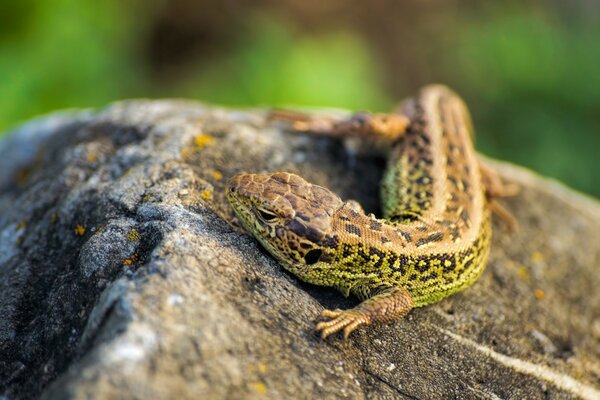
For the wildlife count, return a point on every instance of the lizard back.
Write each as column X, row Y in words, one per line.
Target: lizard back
column 435, row 236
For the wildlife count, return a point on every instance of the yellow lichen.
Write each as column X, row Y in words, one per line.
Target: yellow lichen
column 203, row 140
column 537, row 257
column 134, row 235
column 262, row 368
column 53, row 218
column 147, row 197
column 22, row 224
column 79, row 230
column 259, row 388
column 206, row 194
column 185, row 153
column 523, row 272
column 217, row 175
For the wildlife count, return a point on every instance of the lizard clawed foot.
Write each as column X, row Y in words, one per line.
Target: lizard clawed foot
column 387, row 304
column 346, row 320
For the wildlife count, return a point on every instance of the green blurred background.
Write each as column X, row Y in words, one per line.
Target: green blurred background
column 529, row 70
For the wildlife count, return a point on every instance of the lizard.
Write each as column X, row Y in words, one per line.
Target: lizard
column 437, row 198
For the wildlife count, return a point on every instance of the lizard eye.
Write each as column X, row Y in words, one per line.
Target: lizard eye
column 312, row 256
column 267, row 216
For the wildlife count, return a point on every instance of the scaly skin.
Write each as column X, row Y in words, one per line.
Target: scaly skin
column 434, row 239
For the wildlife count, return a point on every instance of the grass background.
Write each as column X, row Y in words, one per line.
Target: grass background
column 529, row 70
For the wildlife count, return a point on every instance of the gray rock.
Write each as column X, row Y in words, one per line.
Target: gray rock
column 123, row 274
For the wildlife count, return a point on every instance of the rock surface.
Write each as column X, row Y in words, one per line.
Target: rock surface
column 123, row 274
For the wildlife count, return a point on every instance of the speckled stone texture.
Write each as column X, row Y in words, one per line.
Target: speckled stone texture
column 123, row 274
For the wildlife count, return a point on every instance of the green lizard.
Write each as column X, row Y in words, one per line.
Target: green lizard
column 434, row 239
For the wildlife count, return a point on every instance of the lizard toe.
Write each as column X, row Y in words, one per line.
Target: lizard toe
column 330, row 313
column 347, row 321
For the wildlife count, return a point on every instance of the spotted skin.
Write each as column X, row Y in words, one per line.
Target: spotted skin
column 433, row 241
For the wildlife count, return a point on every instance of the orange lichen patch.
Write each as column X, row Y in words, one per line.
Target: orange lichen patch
column 203, row 140
column 22, row 224
column 200, row 142
column 206, row 194
column 92, row 156
column 134, row 235
column 537, row 257
column 539, row 294
column 259, row 388
column 217, row 175
column 131, row 260
column 79, row 230
column 53, row 218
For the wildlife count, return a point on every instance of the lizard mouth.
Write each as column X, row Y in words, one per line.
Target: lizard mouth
column 241, row 210
column 237, row 200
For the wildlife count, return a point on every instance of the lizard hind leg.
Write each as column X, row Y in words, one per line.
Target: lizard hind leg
column 494, row 189
column 390, row 304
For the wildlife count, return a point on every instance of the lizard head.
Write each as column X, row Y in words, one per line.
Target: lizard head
column 289, row 216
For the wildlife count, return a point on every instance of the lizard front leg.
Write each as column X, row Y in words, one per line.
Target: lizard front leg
column 380, row 128
column 388, row 305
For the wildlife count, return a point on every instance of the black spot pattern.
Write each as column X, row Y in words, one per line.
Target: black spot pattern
column 434, row 237
column 429, row 277
column 423, row 265
column 331, row 241
column 347, row 251
column 353, row 229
